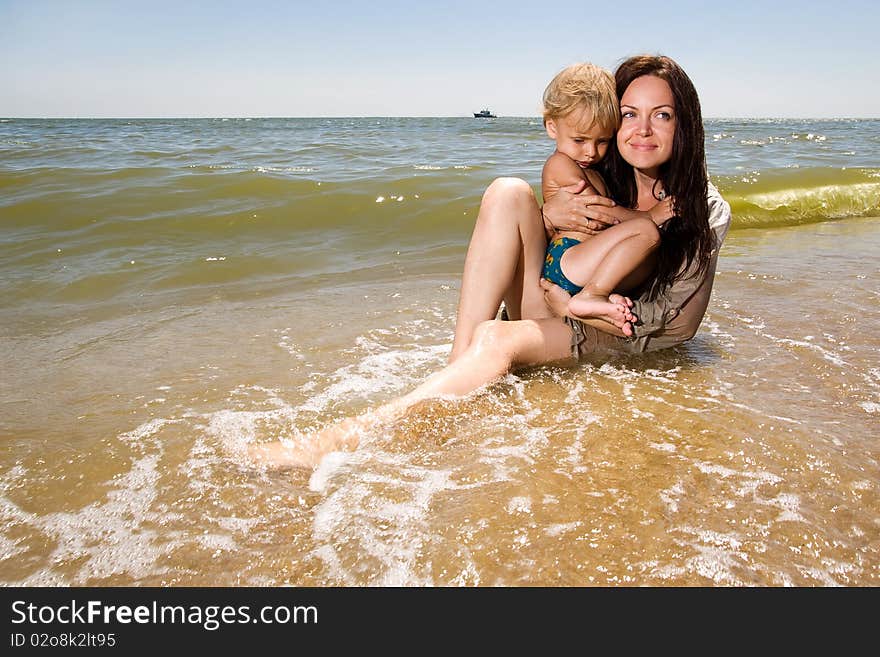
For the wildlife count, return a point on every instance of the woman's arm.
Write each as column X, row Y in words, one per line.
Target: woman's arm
column 676, row 315
column 570, row 209
column 567, row 210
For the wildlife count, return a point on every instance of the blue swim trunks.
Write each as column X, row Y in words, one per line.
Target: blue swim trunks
column 552, row 271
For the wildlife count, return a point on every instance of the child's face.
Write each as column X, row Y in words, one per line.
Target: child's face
column 586, row 146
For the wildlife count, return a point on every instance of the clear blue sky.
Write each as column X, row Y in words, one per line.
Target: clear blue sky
column 410, row 58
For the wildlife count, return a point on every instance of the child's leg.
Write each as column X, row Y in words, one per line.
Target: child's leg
column 604, row 262
column 617, row 258
column 620, row 257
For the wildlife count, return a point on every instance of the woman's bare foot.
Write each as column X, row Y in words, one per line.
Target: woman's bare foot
column 616, row 313
column 308, row 451
column 280, row 454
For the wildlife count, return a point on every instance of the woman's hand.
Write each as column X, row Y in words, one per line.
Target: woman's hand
column 568, row 210
column 555, row 297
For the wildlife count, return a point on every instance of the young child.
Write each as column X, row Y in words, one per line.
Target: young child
column 581, row 113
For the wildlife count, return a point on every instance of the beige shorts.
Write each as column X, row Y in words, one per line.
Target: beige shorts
column 588, row 342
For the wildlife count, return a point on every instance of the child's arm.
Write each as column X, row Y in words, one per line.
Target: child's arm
column 561, row 171
column 594, row 179
column 609, row 215
column 659, row 214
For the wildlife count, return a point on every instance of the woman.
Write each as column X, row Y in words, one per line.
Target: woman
column 659, row 153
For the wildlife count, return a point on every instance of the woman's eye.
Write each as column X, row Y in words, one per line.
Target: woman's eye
column 664, row 115
column 627, row 115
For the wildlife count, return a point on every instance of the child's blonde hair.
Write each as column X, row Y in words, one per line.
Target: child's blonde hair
column 583, row 86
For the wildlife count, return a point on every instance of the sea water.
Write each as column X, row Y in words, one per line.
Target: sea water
column 173, row 291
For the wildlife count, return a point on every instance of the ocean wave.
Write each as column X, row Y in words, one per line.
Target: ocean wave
column 788, row 197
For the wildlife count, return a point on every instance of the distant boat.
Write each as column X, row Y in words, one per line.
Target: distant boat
column 484, row 114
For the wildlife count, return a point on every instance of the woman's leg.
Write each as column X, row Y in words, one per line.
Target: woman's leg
column 504, row 261
column 496, row 348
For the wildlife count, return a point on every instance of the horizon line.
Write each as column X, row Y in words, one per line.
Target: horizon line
column 389, row 116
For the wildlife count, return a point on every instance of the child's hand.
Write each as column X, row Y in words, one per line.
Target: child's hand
column 663, row 211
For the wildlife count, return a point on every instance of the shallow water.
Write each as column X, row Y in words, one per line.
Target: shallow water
column 748, row 456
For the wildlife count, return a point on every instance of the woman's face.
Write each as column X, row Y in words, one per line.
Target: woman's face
column 647, row 124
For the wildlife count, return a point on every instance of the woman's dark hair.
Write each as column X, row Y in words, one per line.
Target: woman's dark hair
column 686, row 237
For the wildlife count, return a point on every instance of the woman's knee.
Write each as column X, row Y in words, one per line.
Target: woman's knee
column 507, row 190
column 507, row 205
column 493, row 339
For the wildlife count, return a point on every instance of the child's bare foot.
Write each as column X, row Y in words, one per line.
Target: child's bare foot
column 619, row 298
column 617, row 314
column 627, row 303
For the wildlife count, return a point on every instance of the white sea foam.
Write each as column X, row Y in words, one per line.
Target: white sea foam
column 286, row 342
column 144, row 431
column 10, row 548
column 663, row 447
column 671, row 495
column 519, row 504
column 716, row 564
column 559, row 529
column 390, row 533
column 789, row 504
column 753, row 480
column 711, row 468
column 717, row 558
column 111, row 535
column 820, row 575
column 235, row 430
column 825, row 353
column 284, row 169
column 388, row 371
column 326, row 469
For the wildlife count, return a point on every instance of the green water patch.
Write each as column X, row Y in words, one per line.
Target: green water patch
column 793, row 196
